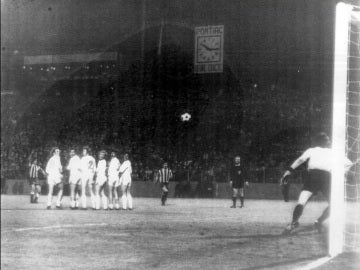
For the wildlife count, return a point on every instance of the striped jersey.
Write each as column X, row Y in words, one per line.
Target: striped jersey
column 165, row 175
column 34, row 171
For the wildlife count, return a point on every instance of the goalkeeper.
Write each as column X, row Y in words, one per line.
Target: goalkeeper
column 317, row 179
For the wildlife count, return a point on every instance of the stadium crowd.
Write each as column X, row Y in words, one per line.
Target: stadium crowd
column 260, row 114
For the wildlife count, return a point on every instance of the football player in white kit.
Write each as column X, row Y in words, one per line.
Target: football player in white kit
column 114, row 181
column 54, row 177
column 317, row 179
column 125, row 182
column 74, row 168
column 101, row 181
column 88, row 167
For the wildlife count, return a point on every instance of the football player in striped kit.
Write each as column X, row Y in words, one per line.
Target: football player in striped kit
column 113, row 181
column 54, row 177
column 163, row 176
column 319, row 160
column 88, row 167
column 34, row 180
column 74, row 168
column 125, row 182
column 101, row 181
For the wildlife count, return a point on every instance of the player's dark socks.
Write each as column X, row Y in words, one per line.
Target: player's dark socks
column 36, row 200
column 234, row 202
column 242, row 201
column 324, row 215
column 297, row 213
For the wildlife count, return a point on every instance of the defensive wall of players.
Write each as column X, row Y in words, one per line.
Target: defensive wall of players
column 268, row 191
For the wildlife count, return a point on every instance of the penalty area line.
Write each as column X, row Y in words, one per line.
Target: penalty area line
column 56, row 227
column 315, row 264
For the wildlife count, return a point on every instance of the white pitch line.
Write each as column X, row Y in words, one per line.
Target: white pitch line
column 56, row 227
column 315, row 264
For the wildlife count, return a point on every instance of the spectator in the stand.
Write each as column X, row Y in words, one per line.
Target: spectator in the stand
column 148, row 174
column 54, row 177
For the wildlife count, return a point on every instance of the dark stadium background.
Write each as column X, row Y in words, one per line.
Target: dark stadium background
column 275, row 90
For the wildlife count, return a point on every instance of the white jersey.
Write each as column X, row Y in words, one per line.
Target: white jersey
column 320, row 159
column 114, row 167
column 74, row 167
column 88, row 165
column 101, row 172
column 54, row 169
column 126, row 171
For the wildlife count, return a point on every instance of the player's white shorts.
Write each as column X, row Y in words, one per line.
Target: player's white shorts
column 87, row 178
column 125, row 182
column 101, row 180
column 114, row 180
column 75, row 178
column 54, row 179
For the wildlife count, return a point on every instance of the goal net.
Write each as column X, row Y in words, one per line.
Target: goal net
column 344, row 234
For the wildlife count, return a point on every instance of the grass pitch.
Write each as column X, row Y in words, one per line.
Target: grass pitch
column 185, row 234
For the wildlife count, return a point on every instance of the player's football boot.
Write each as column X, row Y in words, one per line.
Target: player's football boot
column 233, row 206
column 48, row 207
column 59, row 207
column 318, row 226
column 31, row 198
column 291, row 227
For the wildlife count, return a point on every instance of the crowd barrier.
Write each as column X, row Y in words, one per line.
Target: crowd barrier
column 149, row 189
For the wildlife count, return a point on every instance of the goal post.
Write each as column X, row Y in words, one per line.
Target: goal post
column 346, row 88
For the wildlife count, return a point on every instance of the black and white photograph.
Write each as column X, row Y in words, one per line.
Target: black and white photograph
column 180, row 134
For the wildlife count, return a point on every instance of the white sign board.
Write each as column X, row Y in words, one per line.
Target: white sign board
column 209, row 49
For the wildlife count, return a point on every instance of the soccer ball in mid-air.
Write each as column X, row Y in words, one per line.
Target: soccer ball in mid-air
column 185, row 117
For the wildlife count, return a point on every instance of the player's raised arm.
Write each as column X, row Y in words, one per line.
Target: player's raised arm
column 299, row 161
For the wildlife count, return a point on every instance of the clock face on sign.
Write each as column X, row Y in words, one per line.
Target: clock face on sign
column 208, row 49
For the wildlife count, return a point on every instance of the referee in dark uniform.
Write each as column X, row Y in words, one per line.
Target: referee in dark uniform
column 164, row 176
column 237, row 181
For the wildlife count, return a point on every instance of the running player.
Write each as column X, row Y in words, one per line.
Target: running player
column 125, row 181
column 74, row 168
column 318, row 176
column 164, row 175
column 236, row 175
column 114, row 181
column 88, row 167
column 54, row 178
column 34, row 180
column 101, row 181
